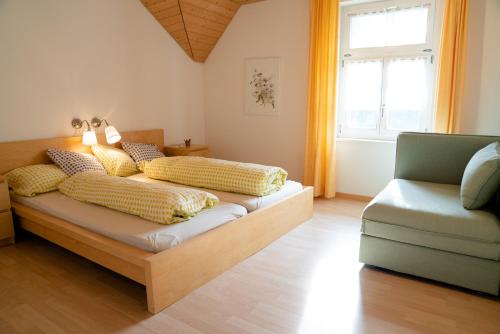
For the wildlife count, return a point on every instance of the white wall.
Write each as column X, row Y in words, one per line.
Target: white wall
column 270, row 28
column 481, row 113
column 364, row 167
column 65, row 58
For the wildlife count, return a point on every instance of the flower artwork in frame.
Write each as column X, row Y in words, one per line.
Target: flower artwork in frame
column 262, row 86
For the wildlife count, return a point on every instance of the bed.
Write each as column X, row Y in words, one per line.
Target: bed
column 132, row 230
column 179, row 263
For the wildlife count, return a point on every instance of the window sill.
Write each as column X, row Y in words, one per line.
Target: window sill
column 383, row 141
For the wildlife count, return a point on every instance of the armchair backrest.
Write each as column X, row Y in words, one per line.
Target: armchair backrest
column 438, row 158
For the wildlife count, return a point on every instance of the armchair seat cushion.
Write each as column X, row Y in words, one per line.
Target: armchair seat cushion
column 431, row 215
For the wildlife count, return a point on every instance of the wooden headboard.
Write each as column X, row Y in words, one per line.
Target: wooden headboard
column 16, row 154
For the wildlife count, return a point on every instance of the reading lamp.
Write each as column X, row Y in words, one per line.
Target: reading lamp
column 88, row 136
column 112, row 135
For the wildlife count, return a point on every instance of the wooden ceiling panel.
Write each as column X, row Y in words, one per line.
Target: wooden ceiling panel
column 227, row 4
column 223, row 7
column 196, row 25
column 202, row 37
column 244, row 2
column 191, row 20
column 160, row 5
column 188, row 9
column 167, row 12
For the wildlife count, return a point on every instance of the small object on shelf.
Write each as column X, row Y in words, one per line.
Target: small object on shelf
column 6, row 223
column 187, row 142
column 182, row 149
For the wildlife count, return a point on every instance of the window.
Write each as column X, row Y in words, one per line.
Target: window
column 387, row 69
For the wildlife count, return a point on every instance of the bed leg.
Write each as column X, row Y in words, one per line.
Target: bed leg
column 153, row 307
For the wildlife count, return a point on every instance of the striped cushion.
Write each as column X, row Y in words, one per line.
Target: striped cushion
column 116, row 162
column 142, row 152
column 35, row 179
column 75, row 162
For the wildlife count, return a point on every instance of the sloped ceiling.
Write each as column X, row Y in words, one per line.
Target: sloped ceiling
column 195, row 24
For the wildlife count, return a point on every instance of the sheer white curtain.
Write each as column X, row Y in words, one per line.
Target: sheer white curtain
column 363, row 84
column 390, row 27
column 398, row 87
column 367, row 30
column 406, row 92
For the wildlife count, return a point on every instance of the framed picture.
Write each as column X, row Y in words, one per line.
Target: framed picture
column 262, row 77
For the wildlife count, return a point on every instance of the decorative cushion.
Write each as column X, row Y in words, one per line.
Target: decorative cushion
column 116, row 162
column 142, row 152
column 75, row 162
column 481, row 178
column 35, row 179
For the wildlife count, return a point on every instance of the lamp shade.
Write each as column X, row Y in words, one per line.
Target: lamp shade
column 89, row 137
column 112, row 136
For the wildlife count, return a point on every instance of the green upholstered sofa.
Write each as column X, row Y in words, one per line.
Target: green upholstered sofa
column 417, row 224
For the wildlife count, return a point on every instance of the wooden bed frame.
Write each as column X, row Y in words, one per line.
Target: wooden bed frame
column 173, row 273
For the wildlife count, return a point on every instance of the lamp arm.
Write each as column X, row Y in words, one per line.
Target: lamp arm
column 96, row 122
column 77, row 123
column 88, row 124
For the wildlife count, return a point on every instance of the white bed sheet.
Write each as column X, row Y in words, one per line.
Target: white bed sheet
column 130, row 229
column 251, row 203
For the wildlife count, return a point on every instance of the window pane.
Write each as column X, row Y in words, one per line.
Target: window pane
column 390, row 27
column 406, row 93
column 362, row 93
column 367, row 30
column 407, row 26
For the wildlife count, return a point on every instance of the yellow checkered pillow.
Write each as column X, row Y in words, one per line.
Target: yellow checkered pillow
column 116, row 162
column 162, row 204
column 35, row 179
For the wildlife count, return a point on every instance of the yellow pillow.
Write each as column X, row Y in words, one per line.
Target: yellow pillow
column 35, row 179
column 116, row 162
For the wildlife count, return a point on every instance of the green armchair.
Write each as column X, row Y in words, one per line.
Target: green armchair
column 417, row 224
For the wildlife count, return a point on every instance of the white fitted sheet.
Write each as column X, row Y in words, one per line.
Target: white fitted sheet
column 251, row 203
column 130, row 229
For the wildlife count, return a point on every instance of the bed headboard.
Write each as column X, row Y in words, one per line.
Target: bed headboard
column 16, row 154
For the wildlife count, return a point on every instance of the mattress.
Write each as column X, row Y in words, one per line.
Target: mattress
column 130, row 229
column 251, row 203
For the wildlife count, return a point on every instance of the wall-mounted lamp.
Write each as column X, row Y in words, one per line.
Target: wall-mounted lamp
column 112, row 135
column 88, row 136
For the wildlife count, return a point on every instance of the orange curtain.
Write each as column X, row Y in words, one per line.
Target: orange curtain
column 451, row 68
column 319, row 170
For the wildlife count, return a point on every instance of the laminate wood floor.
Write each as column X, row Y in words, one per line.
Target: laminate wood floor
column 308, row 281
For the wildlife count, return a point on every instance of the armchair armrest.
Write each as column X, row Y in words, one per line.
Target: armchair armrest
column 436, row 158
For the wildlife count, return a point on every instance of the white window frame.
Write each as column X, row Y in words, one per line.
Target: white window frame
column 427, row 50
